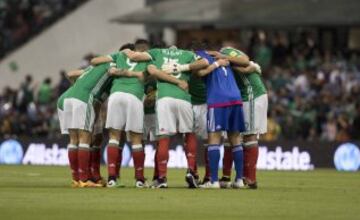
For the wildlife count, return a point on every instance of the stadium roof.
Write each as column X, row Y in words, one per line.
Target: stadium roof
column 247, row 13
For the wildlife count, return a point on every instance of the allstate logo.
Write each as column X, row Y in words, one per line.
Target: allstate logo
column 11, row 152
column 347, row 157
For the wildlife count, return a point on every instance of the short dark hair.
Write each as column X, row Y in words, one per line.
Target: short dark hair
column 142, row 41
column 127, row 46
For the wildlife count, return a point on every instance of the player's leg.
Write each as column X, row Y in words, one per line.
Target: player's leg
column 65, row 117
column 237, row 125
column 96, row 159
column 185, row 118
column 115, row 122
column 238, row 157
column 251, row 153
column 149, row 135
column 113, row 156
column 166, row 126
column 135, row 126
column 200, row 129
column 83, row 117
column 225, row 180
column 95, row 148
column 84, row 159
column 73, row 156
column 255, row 113
column 213, row 155
column 139, row 159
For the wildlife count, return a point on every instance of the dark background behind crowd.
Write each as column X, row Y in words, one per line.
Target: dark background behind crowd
column 22, row 19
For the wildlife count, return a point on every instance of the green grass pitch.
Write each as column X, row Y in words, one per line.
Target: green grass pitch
column 38, row 192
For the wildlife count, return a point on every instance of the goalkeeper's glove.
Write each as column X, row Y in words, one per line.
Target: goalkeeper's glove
column 175, row 67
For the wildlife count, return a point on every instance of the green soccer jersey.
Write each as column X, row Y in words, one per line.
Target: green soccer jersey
column 197, row 90
column 172, row 55
column 131, row 85
column 91, row 84
column 250, row 84
column 60, row 102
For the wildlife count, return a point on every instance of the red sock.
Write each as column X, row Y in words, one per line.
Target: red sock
column 73, row 161
column 95, row 163
column 113, row 156
column 191, row 148
column 163, row 156
column 156, row 167
column 227, row 161
column 118, row 165
column 84, row 163
column 207, row 166
column 251, row 155
column 139, row 158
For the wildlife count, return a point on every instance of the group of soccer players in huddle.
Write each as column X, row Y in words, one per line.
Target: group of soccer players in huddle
column 153, row 94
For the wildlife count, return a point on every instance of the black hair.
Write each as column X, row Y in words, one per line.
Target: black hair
column 142, row 41
column 127, row 46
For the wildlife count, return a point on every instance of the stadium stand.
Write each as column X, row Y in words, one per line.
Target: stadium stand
column 313, row 94
column 20, row 20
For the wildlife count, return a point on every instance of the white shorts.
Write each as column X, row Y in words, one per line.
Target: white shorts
column 255, row 114
column 78, row 115
column 149, row 127
column 174, row 116
column 125, row 112
column 200, row 121
column 61, row 115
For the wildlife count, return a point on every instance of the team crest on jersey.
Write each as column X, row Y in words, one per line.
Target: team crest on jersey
column 233, row 54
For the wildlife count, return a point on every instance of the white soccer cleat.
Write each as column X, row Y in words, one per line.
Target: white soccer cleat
column 210, row 185
column 141, row 184
column 238, row 184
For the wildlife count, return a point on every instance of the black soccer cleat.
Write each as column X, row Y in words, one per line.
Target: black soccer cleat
column 192, row 179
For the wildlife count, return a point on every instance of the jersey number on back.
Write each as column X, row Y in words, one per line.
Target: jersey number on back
column 131, row 64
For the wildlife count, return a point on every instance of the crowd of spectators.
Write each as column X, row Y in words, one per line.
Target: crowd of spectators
column 22, row 19
column 313, row 94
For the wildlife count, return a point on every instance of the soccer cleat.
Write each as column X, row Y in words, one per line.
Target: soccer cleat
column 114, row 184
column 250, row 184
column 88, row 184
column 160, row 183
column 141, row 184
column 100, row 181
column 210, row 185
column 192, row 179
column 238, row 184
column 205, row 180
column 225, row 182
column 74, row 184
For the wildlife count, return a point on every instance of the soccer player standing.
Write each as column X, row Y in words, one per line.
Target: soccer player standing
column 224, row 114
column 79, row 116
column 173, row 107
column 255, row 104
column 125, row 113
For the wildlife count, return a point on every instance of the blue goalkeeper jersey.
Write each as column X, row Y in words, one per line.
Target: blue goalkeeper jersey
column 221, row 86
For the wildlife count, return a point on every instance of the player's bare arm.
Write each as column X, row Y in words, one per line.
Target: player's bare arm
column 101, row 59
column 113, row 71
column 252, row 67
column 137, row 56
column 159, row 74
column 73, row 75
column 212, row 67
column 242, row 60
